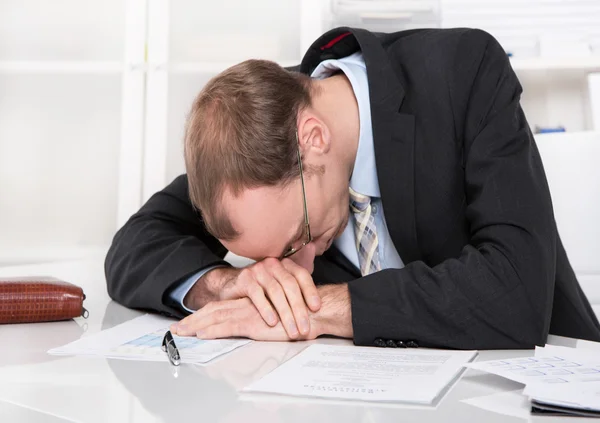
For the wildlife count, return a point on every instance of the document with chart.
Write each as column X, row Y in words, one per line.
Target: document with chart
column 141, row 339
column 365, row 373
column 558, row 379
column 550, row 365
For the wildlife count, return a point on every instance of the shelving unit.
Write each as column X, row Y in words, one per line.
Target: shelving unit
column 94, row 99
column 71, row 78
column 111, row 84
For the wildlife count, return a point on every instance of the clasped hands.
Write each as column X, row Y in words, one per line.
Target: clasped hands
column 271, row 300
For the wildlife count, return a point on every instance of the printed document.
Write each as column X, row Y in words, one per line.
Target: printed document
column 581, row 395
column 366, row 373
column 141, row 339
column 559, row 379
column 550, row 365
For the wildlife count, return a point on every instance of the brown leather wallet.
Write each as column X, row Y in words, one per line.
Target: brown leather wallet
column 39, row 299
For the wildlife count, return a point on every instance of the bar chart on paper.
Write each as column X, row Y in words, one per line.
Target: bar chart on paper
column 154, row 340
column 191, row 349
column 550, row 365
column 141, row 339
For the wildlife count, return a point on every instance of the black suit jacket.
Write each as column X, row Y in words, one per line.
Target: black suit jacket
column 466, row 203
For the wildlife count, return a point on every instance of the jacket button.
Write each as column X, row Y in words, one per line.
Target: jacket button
column 390, row 343
column 412, row 344
column 400, row 344
column 379, row 342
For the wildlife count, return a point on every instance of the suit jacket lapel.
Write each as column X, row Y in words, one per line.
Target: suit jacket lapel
column 394, row 155
column 393, row 131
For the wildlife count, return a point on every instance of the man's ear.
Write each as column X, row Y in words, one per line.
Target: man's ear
column 313, row 134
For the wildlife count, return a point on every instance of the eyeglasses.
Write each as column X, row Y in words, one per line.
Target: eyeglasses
column 308, row 238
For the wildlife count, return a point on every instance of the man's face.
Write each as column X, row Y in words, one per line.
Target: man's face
column 270, row 220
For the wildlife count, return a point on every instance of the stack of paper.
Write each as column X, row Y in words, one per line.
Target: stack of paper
column 369, row 374
column 576, row 398
column 558, row 379
column 141, row 339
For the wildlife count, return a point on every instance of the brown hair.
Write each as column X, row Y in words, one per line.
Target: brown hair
column 240, row 134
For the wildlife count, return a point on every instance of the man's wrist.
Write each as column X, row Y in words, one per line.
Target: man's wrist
column 335, row 316
column 208, row 287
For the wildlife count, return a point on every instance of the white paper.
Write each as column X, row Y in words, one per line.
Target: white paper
column 550, row 365
column 559, row 376
column 583, row 395
column 365, row 373
column 141, row 339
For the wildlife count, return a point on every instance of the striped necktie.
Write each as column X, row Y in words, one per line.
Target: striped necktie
column 367, row 243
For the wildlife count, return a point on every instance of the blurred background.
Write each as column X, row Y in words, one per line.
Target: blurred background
column 94, row 96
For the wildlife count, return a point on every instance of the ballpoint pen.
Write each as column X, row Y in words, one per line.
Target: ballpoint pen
column 168, row 345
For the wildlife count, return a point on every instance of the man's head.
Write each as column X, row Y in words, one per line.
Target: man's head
column 241, row 150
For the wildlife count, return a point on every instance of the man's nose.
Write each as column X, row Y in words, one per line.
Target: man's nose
column 306, row 257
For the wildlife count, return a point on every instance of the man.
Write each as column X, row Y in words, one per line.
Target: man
column 401, row 178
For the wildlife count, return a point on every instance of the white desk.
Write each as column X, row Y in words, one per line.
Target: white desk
column 37, row 387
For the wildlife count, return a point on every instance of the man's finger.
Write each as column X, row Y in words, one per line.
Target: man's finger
column 181, row 328
column 277, row 297
column 205, row 316
column 222, row 330
column 306, row 283
column 294, row 297
column 256, row 293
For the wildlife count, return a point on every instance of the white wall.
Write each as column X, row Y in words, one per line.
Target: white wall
column 571, row 166
column 59, row 130
column 61, row 29
column 58, row 159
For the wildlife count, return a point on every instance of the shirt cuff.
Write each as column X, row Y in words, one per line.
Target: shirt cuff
column 178, row 294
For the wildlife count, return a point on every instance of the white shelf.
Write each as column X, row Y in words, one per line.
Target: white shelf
column 60, row 67
column 215, row 67
column 10, row 256
column 535, row 63
column 556, row 63
column 569, row 136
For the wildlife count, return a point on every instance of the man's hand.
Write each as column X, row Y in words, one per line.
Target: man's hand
column 228, row 318
column 233, row 318
column 276, row 288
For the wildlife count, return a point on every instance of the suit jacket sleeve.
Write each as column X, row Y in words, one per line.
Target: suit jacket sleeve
column 498, row 293
column 160, row 246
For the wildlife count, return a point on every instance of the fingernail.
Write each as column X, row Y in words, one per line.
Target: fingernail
column 304, row 326
column 315, row 300
column 293, row 328
column 181, row 328
column 271, row 318
column 200, row 334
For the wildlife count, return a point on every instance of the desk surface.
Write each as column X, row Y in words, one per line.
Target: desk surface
column 37, row 387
